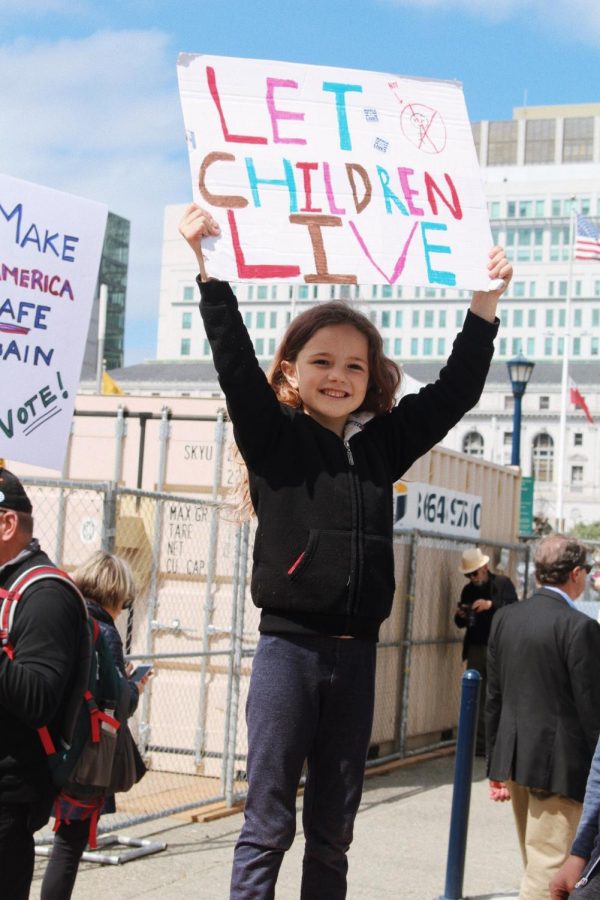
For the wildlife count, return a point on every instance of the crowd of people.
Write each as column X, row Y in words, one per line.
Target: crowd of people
column 322, row 441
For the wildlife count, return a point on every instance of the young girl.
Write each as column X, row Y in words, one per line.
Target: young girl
column 323, row 444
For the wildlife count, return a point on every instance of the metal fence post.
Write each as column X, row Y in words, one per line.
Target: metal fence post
column 461, row 795
column 209, row 601
column 238, row 646
column 407, row 642
column 109, row 518
column 144, row 729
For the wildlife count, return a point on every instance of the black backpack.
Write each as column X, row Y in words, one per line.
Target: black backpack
column 94, row 755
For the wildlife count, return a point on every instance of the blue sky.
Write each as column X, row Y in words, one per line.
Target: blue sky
column 89, row 103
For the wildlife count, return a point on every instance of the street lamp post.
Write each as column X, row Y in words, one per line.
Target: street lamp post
column 519, row 372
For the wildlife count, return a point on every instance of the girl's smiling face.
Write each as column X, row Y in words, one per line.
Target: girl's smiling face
column 331, row 374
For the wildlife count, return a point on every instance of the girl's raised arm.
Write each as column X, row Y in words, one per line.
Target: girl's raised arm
column 484, row 303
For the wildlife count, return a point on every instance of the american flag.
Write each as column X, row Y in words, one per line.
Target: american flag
column 587, row 240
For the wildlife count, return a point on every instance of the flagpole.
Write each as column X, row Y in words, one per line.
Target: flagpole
column 560, row 466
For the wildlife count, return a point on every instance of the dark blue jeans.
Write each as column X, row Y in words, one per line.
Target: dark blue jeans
column 310, row 698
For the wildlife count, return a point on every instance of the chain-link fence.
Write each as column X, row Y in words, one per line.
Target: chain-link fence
column 194, row 622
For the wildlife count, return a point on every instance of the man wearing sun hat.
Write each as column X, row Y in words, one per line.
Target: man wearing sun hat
column 37, row 670
column 481, row 597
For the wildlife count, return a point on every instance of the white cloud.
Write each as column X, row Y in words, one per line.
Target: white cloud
column 100, row 117
column 572, row 18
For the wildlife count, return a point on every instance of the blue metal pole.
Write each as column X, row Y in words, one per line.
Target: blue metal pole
column 461, row 796
column 515, row 459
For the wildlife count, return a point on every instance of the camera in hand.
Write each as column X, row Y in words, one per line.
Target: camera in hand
column 470, row 613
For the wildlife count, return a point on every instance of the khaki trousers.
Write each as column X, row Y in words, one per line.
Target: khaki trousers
column 546, row 825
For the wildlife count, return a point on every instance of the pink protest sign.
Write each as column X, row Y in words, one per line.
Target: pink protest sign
column 334, row 176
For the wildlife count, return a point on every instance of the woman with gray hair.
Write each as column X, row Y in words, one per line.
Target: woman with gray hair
column 106, row 581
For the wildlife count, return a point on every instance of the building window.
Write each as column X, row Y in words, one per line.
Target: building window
column 248, row 319
column 542, row 457
column 517, row 318
column 188, row 294
column 386, row 291
column 262, row 292
column 544, row 402
column 386, row 346
column 548, row 346
column 517, row 346
column 303, row 292
column 442, row 318
column 576, row 346
column 578, row 439
column 473, row 444
column 502, row 143
column 507, row 447
column 414, row 347
column 397, row 347
column 594, row 346
column 374, row 291
column 577, row 475
column 260, row 320
column 415, row 318
column 502, row 348
column 577, row 317
column 519, row 289
column 509, row 401
column 531, row 318
column 271, row 346
column 385, row 319
column 504, row 317
column 259, row 346
column 428, row 318
column 578, row 139
column 273, row 292
column 427, row 346
column 494, row 209
column 539, row 141
column 530, row 346
column 562, row 318
column 186, row 320
column 185, row 347
column 459, row 317
column 441, row 347
column 206, row 349
column 398, row 319
column 549, row 318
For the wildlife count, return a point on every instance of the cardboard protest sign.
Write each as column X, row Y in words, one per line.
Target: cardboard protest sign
column 334, row 175
column 50, row 246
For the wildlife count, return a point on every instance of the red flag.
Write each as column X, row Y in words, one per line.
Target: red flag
column 577, row 399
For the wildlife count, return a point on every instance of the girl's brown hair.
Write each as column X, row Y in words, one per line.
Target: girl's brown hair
column 384, row 374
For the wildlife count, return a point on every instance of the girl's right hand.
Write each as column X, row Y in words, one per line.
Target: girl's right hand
column 196, row 224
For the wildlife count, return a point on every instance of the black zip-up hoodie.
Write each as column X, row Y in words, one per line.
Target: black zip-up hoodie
column 323, row 553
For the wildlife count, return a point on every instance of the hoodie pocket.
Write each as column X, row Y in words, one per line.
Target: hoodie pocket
column 321, row 573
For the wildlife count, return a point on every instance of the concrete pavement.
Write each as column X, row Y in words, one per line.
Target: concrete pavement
column 399, row 849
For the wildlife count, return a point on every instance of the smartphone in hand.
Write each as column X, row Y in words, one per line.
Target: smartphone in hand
column 140, row 672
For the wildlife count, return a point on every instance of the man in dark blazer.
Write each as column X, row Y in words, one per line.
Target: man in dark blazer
column 543, row 709
column 483, row 595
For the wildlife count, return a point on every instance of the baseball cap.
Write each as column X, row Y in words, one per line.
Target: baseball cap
column 12, row 493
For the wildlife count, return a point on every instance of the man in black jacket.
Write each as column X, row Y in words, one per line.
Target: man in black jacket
column 35, row 685
column 543, row 709
column 483, row 596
